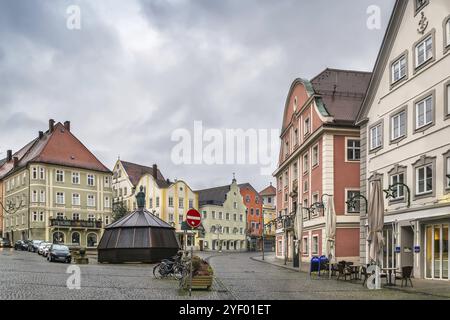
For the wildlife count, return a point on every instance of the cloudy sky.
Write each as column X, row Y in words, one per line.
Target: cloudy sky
column 138, row 70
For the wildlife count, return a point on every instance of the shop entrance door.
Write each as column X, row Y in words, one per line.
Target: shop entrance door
column 436, row 251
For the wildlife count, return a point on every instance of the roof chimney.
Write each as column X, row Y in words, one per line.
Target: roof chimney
column 51, row 124
column 8, row 155
column 67, row 125
column 41, row 134
column 155, row 172
column 15, row 161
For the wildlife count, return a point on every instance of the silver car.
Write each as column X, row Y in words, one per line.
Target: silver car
column 43, row 248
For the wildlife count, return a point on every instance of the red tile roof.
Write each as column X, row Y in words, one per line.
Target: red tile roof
column 269, row 191
column 58, row 147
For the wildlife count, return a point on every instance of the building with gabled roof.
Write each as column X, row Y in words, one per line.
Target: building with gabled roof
column 224, row 218
column 319, row 155
column 63, row 191
column 405, row 130
column 166, row 199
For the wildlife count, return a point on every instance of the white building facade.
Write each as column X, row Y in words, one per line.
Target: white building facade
column 405, row 132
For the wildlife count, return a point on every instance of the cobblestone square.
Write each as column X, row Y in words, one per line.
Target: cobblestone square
column 26, row 275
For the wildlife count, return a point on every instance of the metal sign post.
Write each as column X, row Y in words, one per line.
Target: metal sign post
column 193, row 219
column 192, row 256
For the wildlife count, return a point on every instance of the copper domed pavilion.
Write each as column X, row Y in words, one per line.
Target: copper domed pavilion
column 138, row 237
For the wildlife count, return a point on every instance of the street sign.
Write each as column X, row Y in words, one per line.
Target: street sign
column 193, row 218
column 417, row 249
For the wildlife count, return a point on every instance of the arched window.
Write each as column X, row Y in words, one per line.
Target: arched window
column 92, row 240
column 75, row 238
column 58, row 237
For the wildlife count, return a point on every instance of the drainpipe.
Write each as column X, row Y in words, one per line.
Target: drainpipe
column 29, row 201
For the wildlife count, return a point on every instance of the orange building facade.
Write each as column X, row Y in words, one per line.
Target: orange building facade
column 254, row 205
column 319, row 156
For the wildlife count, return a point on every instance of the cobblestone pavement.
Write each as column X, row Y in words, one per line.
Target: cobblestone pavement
column 26, row 275
column 246, row 278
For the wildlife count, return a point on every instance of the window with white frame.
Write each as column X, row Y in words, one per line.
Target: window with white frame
column 34, row 173
column 295, row 170
column 181, row 203
column 315, row 244
column 213, row 214
column 75, row 199
column 424, row 51
column 399, row 192
column 107, row 181
column 306, row 163
column 35, row 216
column 42, row 196
column 353, row 150
column 305, row 203
column 34, row 196
column 90, row 180
column 59, row 176
column 91, row 200
column 315, row 198
column 42, row 173
column 91, row 217
column 351, row 194
column 315, row 155
column 376, row 136
column 424, row 179
column 60, row 215
column 107, row 202
column 170, row 202
column 306, row 126
column 106, row 220
column 424, row 112
column 398, row 125
column 75, row 177
column 220, row 216
column 157, row 202
column 41, row 216
column 295, row 136
column 305, row 186
column 447, row 174
column 205, row 214
column 227, row 216
column 448, row 99
column 76, row 216
column 398, row 69
column 191, row 203
column 447, row 33
column 305, row 249
column 60, row 199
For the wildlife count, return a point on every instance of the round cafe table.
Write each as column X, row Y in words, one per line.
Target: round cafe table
column 389, row 272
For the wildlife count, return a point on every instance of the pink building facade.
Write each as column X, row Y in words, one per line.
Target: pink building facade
column 320, row 155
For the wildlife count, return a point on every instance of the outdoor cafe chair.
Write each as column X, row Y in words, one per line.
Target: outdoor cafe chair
column 343, row 271
column 405, row 275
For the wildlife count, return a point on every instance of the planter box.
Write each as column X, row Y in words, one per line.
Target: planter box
column 200, row 282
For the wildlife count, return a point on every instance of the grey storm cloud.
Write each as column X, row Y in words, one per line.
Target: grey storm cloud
column 138, row 70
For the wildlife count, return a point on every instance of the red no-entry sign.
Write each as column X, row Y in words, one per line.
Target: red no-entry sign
column 193, row 218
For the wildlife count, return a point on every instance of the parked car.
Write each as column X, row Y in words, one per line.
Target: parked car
column 42, row 246
column 20, row 245
column 45, row 250
column 33, row 246
column 5, row 243
column 58, row 252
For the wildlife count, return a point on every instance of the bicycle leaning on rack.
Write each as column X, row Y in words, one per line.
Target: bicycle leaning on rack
column 173, row 267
